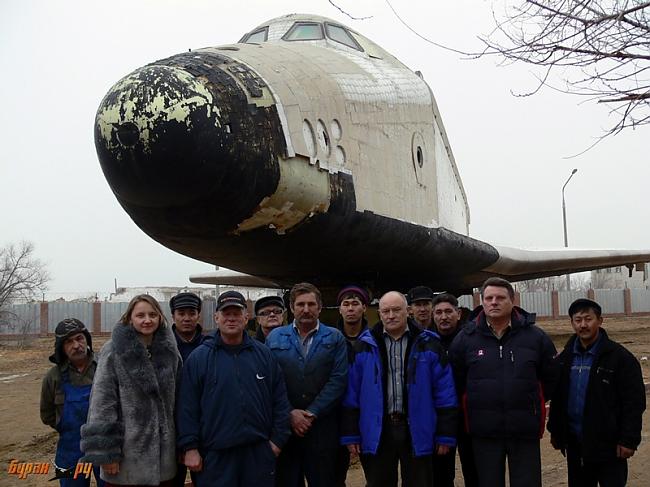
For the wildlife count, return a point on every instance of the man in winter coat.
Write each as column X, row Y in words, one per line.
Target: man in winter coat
column 447, row 320
column 186, row 315
column 314, row 361
column 503, row 366
column 233, row 419
column 65, row 395
column 420, row 301
column 596, row 411
column 400, row 406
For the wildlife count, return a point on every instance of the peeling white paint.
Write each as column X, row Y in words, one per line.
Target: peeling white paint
column 303, row 190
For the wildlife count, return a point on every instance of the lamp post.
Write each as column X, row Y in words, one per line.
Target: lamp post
column 566, row 239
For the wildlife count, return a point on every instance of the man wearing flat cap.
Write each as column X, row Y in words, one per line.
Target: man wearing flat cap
column 186, row 314
column 235, row 411
column 597, row 408
column 270, row 312
column 420, row 301
column 65, row 395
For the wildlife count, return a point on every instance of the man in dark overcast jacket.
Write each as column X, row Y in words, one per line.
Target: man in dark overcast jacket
column 597, row 409
column 504, row 372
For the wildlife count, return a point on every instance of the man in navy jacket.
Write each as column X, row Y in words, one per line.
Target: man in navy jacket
column 504, row 371
column 233, row 419
column 401, row 404
column 314, row 361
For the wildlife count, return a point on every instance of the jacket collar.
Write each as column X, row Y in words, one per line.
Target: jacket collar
column 197, row 335
column 519, row 318
column 340, row 326
column 372, row 335
column 604, row 345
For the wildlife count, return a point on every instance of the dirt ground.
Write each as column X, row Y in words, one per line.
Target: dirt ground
column 23, row 437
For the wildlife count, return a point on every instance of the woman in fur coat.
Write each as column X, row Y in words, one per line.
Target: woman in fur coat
column 130, row 429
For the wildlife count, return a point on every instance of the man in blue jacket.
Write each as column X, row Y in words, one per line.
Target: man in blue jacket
column 504, row 372
column 314, row 361
column 401, row 404
column 233, row 418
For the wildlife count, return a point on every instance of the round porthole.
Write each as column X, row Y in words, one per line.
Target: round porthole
column 335, row 129
column 308, row 135
column 323, row 138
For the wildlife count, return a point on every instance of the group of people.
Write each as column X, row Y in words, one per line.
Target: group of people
column 293, row 402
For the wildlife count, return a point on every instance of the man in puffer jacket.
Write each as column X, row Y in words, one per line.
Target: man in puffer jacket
column 400, row 405
column 504, row 372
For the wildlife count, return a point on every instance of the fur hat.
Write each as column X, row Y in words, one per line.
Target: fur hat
column 64, row 330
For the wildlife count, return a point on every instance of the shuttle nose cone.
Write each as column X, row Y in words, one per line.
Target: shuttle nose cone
column 157, row 129
column 182, row 133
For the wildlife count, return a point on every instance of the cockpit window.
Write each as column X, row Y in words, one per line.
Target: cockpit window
column 260, row 35
column 339, row 34
column 304, row 31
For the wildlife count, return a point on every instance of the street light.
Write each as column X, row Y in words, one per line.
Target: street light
column 566, row 239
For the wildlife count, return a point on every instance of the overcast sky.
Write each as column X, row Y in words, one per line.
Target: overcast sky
column 59, row 58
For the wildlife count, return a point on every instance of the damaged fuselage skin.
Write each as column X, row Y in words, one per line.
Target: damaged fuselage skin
column 303, row 152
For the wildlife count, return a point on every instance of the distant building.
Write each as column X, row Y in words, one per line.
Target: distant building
column 619, row 278
column 165, row 293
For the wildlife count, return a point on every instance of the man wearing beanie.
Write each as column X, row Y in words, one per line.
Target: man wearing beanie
column 65, row 394
column 352, row 302
column 186, row 314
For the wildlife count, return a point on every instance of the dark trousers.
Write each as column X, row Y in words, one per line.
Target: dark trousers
column 524, row 463
column 466, row 455
column 342, row 465
column 607, row 473
column 444, row 469
column 312, row 457
column 250, row 465
column 395, row 448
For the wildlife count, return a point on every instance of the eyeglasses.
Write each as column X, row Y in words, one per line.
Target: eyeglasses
column 269, row 312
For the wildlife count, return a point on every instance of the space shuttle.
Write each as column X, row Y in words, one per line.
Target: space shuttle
column 304, row 152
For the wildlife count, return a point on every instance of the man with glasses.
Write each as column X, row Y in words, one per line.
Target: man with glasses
column 270, row 312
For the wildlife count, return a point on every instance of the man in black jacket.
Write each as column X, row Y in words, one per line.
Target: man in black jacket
column 597, row 408
column 503, row 365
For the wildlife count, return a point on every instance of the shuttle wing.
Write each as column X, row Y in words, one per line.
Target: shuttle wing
column 227, row 277
column 518, row 264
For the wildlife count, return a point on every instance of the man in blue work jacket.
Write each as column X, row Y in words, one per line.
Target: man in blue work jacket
column 401, row 404
column 65, row 395
column 314, row 360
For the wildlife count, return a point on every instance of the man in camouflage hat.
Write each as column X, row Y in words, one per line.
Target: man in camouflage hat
column 65, row 395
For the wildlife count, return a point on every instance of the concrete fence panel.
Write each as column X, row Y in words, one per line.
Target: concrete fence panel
column 568, row 297
column 611, row 300
column 20, row 319
column 537, row 302
column 640, row 300
column 58, row 311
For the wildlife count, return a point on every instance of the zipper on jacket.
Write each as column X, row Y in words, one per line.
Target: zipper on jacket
column 500, row 351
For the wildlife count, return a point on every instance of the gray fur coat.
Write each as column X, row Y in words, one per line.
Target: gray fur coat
column 131, row 414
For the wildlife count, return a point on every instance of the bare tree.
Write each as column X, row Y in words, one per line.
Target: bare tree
column 599, row 48
column 22, row 276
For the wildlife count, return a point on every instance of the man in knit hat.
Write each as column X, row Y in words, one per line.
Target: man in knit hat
column 65, row 395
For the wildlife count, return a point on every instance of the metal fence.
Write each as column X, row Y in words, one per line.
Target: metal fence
column 26, row 319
